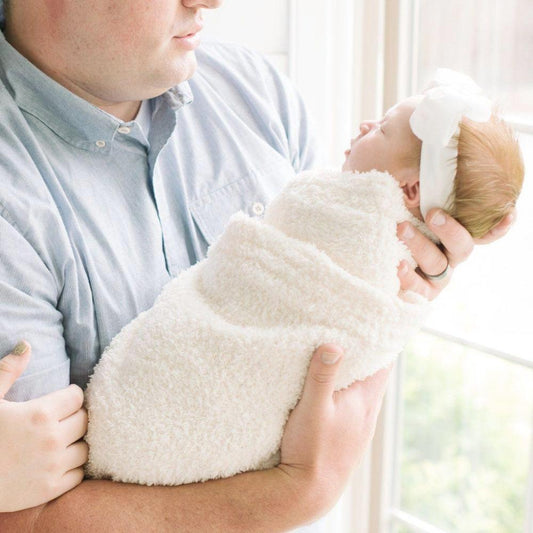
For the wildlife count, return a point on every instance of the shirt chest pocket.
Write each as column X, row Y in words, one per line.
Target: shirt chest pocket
column 250, row 194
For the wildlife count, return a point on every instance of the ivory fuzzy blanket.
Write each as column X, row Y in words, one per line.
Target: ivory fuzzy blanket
column 200, row 386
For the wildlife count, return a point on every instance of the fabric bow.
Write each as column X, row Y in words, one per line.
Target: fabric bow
column 449, row 97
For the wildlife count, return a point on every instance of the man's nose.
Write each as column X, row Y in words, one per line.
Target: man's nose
column 206, row 4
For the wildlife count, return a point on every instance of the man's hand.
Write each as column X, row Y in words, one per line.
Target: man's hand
column 328, row 432
column 40, row 458
column 457, row 245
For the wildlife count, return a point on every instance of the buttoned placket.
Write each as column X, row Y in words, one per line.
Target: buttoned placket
column 173, row 230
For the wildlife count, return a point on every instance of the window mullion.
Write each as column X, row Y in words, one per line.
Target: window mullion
column 415, row 524
column 529, row 498
column 397, row 74
column 528, row 363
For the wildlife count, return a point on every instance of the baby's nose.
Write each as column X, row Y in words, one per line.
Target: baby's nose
column 365, row 127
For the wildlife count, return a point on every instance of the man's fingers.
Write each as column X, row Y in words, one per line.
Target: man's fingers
column 374, row 387
column 59, row 404
column 70, row 479
column 320, row 381
column 74, row 427
column 366, row 397
column 76, row 455
column 12, row 366
column 499, row 230
column 427, row 255
column 411, row 281
column 432, row 261
column 454, row 237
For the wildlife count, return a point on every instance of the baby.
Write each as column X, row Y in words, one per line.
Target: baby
column 200, row 386
column 470, row 167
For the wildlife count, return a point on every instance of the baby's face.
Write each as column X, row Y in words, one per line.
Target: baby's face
column 385, row 144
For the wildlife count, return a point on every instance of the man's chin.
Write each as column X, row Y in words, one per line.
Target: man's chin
column 179, row 72
column 186, row 67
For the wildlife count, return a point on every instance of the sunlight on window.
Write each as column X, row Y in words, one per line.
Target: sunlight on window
column 489, row 299
column 490, row 40
column 464, row 450
column 465, row 416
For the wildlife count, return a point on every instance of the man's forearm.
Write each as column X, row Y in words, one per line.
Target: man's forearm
column 254, row 501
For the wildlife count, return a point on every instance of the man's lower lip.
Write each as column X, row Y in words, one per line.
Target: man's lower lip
column 190, row 41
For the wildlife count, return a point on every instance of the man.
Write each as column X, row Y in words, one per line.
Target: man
column 116, row 174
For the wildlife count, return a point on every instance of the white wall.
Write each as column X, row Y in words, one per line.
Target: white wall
column 261, row 25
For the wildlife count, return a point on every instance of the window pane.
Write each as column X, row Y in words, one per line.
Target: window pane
column 466, row 432
column 489, row 299
column 491, row 40
column 490, row 296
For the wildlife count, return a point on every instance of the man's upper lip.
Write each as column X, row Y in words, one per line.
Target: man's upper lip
column 192, row 31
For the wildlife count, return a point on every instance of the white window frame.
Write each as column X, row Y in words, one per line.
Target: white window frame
column 400, row 70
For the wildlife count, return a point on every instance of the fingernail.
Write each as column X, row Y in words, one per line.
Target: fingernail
column 402, row 270
column 329, row 358
column 20, row 349
column 408, row 233
column 438, row 220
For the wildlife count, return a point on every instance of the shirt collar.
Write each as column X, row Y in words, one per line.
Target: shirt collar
column 72, row 118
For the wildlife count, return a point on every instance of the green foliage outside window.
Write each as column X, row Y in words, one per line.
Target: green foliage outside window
column 465, row 438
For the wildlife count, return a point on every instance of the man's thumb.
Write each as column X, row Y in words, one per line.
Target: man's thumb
column 320, row 381
column 12, row 366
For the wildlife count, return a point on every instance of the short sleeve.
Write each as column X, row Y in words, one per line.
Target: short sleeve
column 28, row 299
column 271, row 97
column 304, row 148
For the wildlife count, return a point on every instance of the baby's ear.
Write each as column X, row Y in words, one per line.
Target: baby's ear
column 411, row 193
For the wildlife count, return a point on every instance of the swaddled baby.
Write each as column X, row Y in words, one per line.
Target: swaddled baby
column 200, row 386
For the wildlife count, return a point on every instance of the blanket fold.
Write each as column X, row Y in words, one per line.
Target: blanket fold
column 201, row 385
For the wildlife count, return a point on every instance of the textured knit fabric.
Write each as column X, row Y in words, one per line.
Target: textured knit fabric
column 200, row 386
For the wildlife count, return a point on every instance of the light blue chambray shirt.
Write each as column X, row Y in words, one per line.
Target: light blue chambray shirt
column 95, row 218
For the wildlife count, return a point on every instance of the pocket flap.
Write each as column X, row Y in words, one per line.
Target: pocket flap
column 249, row 194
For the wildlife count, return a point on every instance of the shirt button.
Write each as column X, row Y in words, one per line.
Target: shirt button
column 258, row 208
column 124, row 129
column 100, row 144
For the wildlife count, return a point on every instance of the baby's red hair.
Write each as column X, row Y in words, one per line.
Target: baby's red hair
column 490, row 173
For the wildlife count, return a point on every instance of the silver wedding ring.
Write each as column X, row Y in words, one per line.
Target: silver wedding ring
column 436, row 277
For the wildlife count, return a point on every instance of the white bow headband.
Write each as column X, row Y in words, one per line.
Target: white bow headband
column 435, row 121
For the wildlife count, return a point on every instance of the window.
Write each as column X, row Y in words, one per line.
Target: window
column 454, row 449
column 463, row 441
